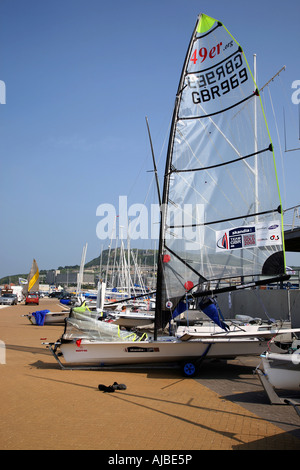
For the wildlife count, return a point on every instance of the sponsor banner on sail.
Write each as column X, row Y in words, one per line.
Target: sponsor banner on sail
column 250, row 236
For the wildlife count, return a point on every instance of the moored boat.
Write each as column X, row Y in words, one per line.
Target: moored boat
column 283, row 370
column 219, row 225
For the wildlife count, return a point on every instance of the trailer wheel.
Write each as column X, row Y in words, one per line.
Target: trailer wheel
column 189, row 369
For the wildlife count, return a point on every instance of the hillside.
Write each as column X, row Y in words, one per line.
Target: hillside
column 144, row 258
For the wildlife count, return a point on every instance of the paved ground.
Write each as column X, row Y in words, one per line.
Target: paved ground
column 236, row 381
column 44, row 407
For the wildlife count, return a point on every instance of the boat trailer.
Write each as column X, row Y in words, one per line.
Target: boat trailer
column 272, row 395
column 189, row 367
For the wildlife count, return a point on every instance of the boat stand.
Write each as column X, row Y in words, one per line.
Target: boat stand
column 272, row 395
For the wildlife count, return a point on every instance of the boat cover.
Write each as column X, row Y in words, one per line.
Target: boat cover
column 39, row 316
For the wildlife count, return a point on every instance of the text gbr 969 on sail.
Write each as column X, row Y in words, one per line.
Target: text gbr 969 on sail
column 218, row 80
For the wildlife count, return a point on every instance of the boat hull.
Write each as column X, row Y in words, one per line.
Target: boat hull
column 58, row 317
column 112, row 353
column 282, row 370
column 131, row 320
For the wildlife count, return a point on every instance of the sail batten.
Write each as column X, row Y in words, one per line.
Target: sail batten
column 216, row 112
column 251, row 215
column 219, row 214
column 229, row 162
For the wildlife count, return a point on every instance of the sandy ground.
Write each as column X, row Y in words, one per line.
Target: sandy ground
column 45, row 407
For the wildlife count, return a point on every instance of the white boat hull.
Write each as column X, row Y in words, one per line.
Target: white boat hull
column 51, row 317
column 131, row 320
column 109, row 353
column 282, row 370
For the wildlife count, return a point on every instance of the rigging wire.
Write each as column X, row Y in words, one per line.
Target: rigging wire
column 279, row 143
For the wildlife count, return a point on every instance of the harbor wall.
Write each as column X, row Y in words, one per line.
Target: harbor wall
column 258, row 303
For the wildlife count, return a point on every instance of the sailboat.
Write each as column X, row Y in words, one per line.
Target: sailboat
column 280, row 376
column 46, row 317
column 283, row 370
column 126, row 305
column 33, row 279
column 221, row 217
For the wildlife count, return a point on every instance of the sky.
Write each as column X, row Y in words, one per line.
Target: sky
column 80, row 76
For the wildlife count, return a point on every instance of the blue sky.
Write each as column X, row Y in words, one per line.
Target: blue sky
column 80, row 76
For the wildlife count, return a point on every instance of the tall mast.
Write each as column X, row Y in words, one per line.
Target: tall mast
column 255, row 138
column 81, row 271
column 158, row 306
column 154, row 164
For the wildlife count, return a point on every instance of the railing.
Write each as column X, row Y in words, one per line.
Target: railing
column 291, row 218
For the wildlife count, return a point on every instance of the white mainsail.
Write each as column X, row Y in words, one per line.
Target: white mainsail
column 221, row 216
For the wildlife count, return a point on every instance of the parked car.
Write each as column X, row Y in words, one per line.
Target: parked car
column 32, row 298
column 57, row 294
column 8, row 299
